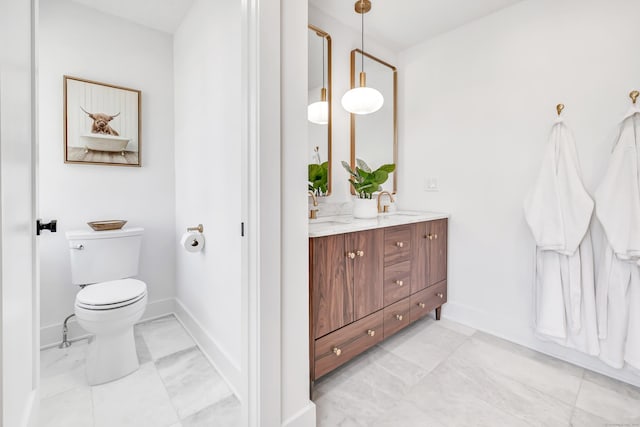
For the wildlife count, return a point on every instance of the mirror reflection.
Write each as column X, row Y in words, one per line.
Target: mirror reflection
column 319, row 111
column 374, row 136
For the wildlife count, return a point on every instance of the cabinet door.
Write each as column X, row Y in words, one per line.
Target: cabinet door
column 420, row 257
column 437, row 237
column 429, row 261
column 367, row 270
column 331, row 289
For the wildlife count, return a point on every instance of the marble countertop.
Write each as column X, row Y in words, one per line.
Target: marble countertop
column 339, row 224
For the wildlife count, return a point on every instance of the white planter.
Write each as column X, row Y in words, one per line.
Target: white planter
column 365, row 208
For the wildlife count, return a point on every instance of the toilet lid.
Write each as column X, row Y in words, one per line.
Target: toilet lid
column 112, row 292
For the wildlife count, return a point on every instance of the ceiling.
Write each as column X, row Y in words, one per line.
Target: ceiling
column 403, row 23
column 161, row 15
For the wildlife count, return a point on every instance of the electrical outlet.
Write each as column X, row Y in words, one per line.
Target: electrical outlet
column 431, row 184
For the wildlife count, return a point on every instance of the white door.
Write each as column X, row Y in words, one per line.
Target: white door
column 18, row 350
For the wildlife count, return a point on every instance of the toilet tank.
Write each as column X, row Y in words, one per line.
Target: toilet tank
column 99, row 256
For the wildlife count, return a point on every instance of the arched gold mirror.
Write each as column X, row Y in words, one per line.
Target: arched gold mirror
column 374, row 137
column 319, row 111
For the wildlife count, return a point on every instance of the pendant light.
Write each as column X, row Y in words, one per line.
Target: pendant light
column 318, row 112
column 363, row 99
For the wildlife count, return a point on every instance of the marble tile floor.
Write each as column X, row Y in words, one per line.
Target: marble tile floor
column 176, row 386
column 442, row 374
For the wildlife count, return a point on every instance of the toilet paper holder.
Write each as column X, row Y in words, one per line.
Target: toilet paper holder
column 199, row 228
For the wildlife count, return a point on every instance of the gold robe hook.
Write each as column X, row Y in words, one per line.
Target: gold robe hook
column 559, row 108
column 634, row 96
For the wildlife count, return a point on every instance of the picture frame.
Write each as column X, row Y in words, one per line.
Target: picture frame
column 102, row 123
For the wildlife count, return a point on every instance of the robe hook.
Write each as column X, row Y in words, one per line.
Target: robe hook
column 634, row 96
column 559, row 108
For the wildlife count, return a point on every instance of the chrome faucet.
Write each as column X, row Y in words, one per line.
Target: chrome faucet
column 385, row 208
column 313, row 213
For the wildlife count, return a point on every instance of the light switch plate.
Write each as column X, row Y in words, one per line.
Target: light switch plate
column 431, row 184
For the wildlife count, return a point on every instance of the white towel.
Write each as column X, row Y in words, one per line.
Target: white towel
column 618, row 286
column 558, row 210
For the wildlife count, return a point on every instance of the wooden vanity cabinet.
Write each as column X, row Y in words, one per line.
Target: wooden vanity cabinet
column 367, row 285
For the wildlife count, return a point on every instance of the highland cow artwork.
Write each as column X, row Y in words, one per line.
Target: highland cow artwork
column 101, row 123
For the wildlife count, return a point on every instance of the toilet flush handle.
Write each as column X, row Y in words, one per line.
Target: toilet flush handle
column 78, row 247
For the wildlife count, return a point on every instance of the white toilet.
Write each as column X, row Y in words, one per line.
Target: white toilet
column 111, row 302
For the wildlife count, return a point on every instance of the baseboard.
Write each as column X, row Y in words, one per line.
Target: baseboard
column 51, row 335
column 306, row 417
column 505, row 328
column 225, row 366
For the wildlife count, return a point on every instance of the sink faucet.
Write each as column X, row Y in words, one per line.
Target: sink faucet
column 385, row 208
column 313, row 213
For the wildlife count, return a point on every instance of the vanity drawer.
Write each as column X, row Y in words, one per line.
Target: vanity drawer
column 397, row 316
column 397, row 282
column 340, row 346
column 423, row 302
column 397, row 244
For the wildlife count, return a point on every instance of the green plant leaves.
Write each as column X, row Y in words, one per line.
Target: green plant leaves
column 318, row 177
column 365, row 181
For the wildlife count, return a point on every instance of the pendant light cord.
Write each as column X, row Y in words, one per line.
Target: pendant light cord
column 322, row 61
column 362, row 35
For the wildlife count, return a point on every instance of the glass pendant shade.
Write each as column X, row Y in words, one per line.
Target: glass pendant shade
column 318, row 112
column 362, row 100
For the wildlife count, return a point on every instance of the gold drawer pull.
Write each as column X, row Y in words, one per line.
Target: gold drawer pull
column 429, row 236
column 421, row 304
column 399, row 283
column 371, row 332
column 399, row 317
column 440, row 295
column 351, row 255
column 360, row 253
column 337, row 351
column 400, row 244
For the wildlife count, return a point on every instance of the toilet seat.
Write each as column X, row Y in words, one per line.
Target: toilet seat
column 111, row 295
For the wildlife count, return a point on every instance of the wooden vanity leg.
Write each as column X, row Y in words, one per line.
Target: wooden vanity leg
column 438, row 312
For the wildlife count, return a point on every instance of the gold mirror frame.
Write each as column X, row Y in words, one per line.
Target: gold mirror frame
column 327, row 37
column 354, row 73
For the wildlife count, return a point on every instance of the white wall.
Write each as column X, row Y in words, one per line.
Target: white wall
column 477, row 105
column 208, row 177
column 82, row 42
column 343, row 40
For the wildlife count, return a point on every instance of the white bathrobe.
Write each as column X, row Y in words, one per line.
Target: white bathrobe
column 618, row 287
column 558, row 210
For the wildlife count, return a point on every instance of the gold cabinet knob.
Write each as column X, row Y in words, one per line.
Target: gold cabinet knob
column 421, row 305
column 400, row 244
column 337, row 351
column 440, row 295
column 399, row 282
column 429, row 236
column 351, row 255
column 360, row 253
column 399, row 317
column 435, row 236
column 371, row 332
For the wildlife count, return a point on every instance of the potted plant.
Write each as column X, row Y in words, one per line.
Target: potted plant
column 318, row 178
column 365, row 182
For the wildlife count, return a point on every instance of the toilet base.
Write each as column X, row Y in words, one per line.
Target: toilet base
column 111, row 356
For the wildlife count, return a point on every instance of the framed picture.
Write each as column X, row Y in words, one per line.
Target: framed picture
column 101, row 123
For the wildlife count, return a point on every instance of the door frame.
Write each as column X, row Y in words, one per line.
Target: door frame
column 30, row 411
